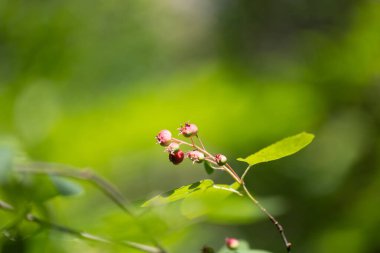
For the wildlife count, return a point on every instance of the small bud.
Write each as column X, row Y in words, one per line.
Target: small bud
column 196, row 156
column 176, row 157
column 164, row 137
column 232, row 243
column 188, row 130
column 173, row 147
column 220, row 159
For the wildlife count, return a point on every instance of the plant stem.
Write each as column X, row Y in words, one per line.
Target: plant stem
column 103, row 185
column 83, row 235
column 193, row 146
column 271, row 218
column 200, row 141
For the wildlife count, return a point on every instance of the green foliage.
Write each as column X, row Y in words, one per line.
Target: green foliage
column 5, row 164
column 206, row 186
column 280, row 149
column 66, row 187
column 208, row 167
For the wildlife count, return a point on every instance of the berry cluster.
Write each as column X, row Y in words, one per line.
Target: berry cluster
column 198, row 154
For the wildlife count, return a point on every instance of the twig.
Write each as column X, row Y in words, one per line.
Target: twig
column 271, row 218
column 84, row 235
column 103, row 185
column 87, row 175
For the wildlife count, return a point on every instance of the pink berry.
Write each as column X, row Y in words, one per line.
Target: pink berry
column 173, row 147
column 232, row 243
column 176, row 157
column 220, row 159
column 164, row 137
column 188, row 130
column 196, row 156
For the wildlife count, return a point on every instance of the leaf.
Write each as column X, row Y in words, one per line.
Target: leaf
column 285, row 147
column 209, row 169
column 189, row 190
column 66, row 187
column 179, row 193
column 203, row 203
column 243, row 248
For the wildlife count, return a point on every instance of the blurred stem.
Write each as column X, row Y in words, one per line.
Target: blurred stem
column 103, row 185
column 83, row 235
column 87, row 175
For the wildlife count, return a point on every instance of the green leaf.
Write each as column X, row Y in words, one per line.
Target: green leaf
column 189, row 190
column 66, row 187
column 243, row 248
column 208, row 167
column 202, row 203
column 285, row 147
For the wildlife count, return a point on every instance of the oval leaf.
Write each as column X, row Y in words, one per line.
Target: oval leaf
column 199, row 187
column 179, row 193
column 285, row 147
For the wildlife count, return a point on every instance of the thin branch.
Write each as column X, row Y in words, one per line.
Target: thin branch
column 87, row 175
column 193, row 146
column 288, row 245
column 83, row 235
column 245, row 172
column 200, row 141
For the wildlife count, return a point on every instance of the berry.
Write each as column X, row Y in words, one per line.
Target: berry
column 232, row 243
column 196, row 156
column 176, row 157
column 220, row 159
column 173, row 147
column 188, row 130
column 164, row 137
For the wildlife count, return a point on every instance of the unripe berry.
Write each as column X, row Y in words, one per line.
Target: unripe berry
column 176, row 157
column 173, row 147
column 232, row 243
column 196, row 156
column 220, row 159
column 188, row 130
column 164, row 137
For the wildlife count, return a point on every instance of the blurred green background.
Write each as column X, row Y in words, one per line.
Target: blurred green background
column 90, row 83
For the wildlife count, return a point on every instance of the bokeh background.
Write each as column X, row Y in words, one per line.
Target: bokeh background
column 90, row 83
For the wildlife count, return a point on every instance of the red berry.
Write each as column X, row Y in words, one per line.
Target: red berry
column 176, row 157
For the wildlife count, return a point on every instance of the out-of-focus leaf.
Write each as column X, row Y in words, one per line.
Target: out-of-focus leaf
column 208, row 167
column 186, row 191
column 243, row 248
column 280, row 149
column 66, row 187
